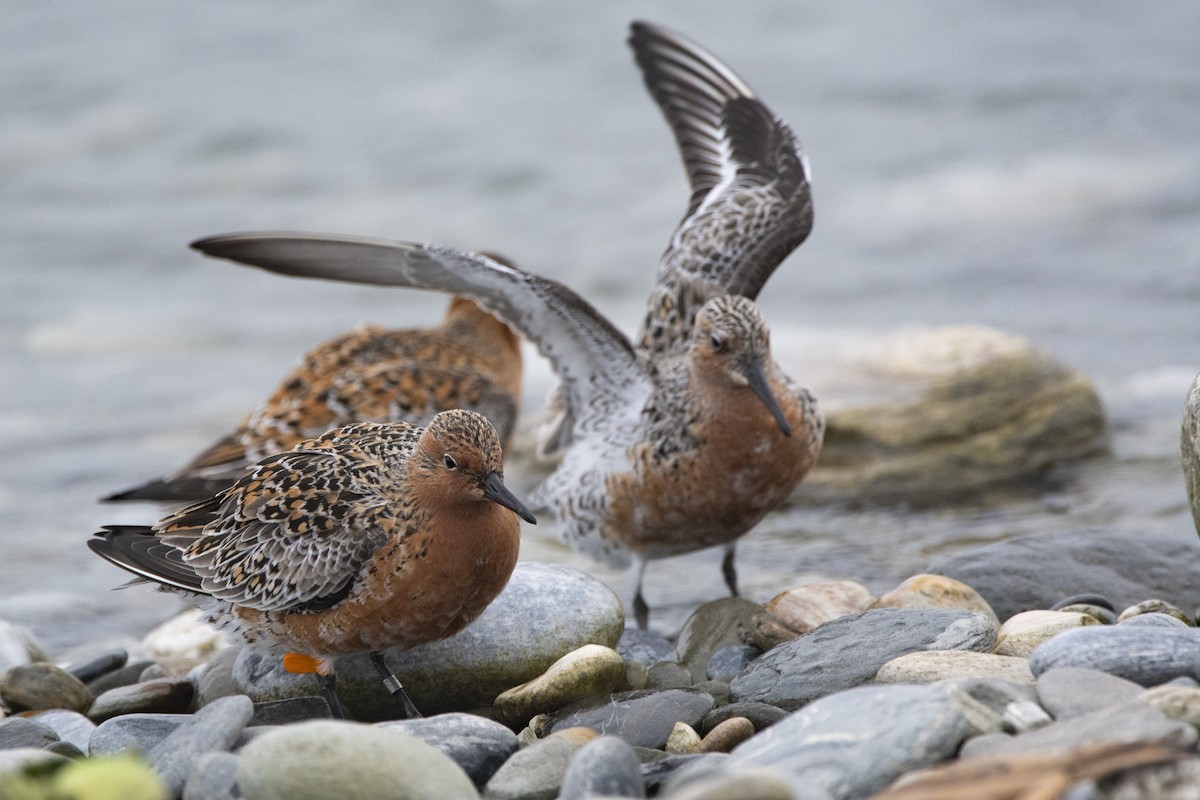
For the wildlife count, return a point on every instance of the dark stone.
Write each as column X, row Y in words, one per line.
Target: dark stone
column 848, row 651
column 645, row 647
column 102, row 664
column 605, row 767
column 162, row 696
column 658, row 773
column 642, row 719
column 761, row 715
column 712, row 626
column 1032, row 572
column 123, row 676
column 16, row 732
column 480, row 746
column 729, row 661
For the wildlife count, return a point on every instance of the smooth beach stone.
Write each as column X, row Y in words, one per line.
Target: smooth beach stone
column 215, row 678
column 857, row 742
column 682, row 740
column 347, row 760
column 214, row 728
column 161, row 696
column 761, row 715
column 849, row 651
column 545, row 612
column 122, row 676
column 798, row 610
column 716, row 624
column 1131, row 723
column 537, row 772
column 1035, row 571
column 71, row 726
column 1021, row 634
column 931, row 666
column 1175, row 702
column 643, row 719
column 739, row 784
column 40, row 686
column 588, row 670
column 18, row 732
column 1156, row 607
column 1071, row 691
column 729, row 661
column 668, row 675
column 137, row 732
column 604, row 767
column 1153, row 620
column 213, row 777
column 936, row 591
column 1146, row 656
column 645, row 647
column 635, row 677
column 480, row 746
column 100, row 664
column 1104, row 616
column 727, row 735
column 295, row 709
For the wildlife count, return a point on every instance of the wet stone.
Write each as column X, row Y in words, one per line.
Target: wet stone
column 1072, row 691
column 604, row 767
column 216, row 727
column 643, row 719
column 716, row 624
column 729, row 661
column 213, row 777
column 848, row 652
column 296, row 709
column 480, row 746
column 18, row 732
column 761, row 715
column 42, row 685
column 100, row 664
column 1146, row 656
column 645, row 647
column 71, row 726
column 162, row 696
column 137, row 732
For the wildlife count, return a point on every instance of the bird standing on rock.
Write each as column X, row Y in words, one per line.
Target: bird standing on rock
column 369, row 537
column 688, row 439
column 373, row 374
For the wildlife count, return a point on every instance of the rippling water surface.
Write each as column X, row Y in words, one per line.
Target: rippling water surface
column 1026, row 166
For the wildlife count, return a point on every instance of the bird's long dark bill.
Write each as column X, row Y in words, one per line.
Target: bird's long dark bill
column 495, row 490
column 757, row 379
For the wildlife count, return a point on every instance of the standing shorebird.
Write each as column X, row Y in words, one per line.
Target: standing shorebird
column 689, row 438
column 369, row 537
column 373, row 374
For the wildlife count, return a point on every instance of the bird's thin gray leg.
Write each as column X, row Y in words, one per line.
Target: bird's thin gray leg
column 728, row 569
column 393, row 685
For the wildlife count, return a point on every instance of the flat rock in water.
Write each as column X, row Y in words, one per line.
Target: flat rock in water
column 712, row 626
column 857, row 742
column 71, row 726
column 969, row 409
column 545, row 612
column 137, row 732
column 643, row 719
column 1146, row 656
column 349, row 761
column 1037, row 571
column 18, row 732
column 849, row 651
column 216, row 727
column 480, row 746
column 1071, row 691
column 604, row 767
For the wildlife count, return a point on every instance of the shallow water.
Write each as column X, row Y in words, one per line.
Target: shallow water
column 1028, row 167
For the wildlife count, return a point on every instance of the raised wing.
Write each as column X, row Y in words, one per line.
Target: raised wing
column 751, row 203
column 604, row 379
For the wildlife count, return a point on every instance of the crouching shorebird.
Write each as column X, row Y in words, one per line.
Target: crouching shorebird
column 369, row 537
column 373, row 374
column 689, row 438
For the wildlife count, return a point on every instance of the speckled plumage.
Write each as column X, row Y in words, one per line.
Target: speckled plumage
column 689, row 438
column 363, row 539
column 373, row 374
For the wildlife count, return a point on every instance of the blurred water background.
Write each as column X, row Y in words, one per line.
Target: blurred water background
column 1029, row 166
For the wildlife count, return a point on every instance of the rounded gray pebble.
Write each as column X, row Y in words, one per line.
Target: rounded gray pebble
column 216, row 727
column 214, row 777
column 645, row 647
column 71, row 726
column 136, row 732
column 605, row 766
column 480, row 746
column 18, row 732
column 1146, row 656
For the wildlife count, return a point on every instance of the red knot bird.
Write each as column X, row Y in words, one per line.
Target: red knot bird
column 369, row 537
column 688, row 438
column 373, row 374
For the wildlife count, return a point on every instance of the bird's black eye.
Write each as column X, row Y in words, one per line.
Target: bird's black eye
column 716, row 341
column 449, row 461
